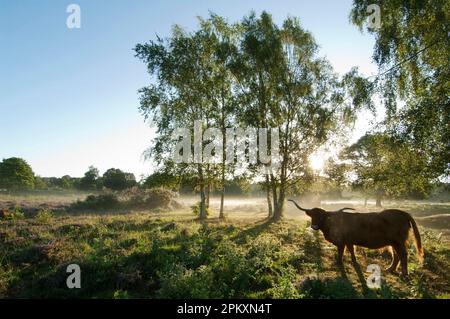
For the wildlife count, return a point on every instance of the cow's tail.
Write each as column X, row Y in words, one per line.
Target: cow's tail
column 417, row 240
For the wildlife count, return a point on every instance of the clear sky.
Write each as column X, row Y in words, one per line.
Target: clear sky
column 68, row 97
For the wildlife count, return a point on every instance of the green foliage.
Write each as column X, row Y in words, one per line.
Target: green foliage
column 150, row 198
column 115, row 179
column 179, row 282
column 285, row 288
column 196, row 209
column 40, row 183
column 337, row 175
column 282, row 82
column 162, row 179
column 89, row 181
column 237, row 186
column 55, row 183
column 194, row 84
column 134, row 198
column 411, row 51
column 66, row 182
column 338, row 288
column 98, row 202
column 16, row 174
column 388, row 167
column 44, row 216
column 120, row 294
column 138, row 256
column 419, row 289
column 290, row 87
column 13, row 215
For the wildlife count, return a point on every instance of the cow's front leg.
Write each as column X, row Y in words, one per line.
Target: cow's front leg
column 340, row 254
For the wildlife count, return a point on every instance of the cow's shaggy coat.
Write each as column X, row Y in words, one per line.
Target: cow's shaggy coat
column 390, row 227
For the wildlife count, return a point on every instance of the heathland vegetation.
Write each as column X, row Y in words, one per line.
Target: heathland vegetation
column 184, row 231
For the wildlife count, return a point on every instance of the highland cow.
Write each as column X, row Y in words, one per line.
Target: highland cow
column 390, row 227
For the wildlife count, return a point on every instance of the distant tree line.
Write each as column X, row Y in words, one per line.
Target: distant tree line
column 17, row 175
column 360, row 168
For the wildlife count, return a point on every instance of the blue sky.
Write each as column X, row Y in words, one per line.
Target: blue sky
column 68, row 97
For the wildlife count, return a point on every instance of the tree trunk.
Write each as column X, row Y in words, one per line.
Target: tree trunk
column 378, row 200
column 222, row 198
column 222, row 194
column 365, row 202
column 269, row 200
column 274, row 196
column 278, row 212
column 202, row 203
column 202, row 194
column 222, row 181
column 208, row 191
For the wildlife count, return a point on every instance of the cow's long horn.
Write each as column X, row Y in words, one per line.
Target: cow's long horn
column 298, row 206
column 342, row 209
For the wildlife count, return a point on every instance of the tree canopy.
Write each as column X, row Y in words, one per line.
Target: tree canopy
column 116, row 179
column 411, row 50
column 89, row 180
column 249, row 74
column 16, row 174
column 385, row 166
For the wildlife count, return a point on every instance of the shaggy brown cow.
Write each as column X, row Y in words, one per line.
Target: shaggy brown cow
column 372, row 230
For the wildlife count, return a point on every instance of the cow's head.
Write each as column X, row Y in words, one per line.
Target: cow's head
column 318, row 215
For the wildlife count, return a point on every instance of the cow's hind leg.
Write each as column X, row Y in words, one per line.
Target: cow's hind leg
column 351, row 249
column 403, row 256
column 395, row 260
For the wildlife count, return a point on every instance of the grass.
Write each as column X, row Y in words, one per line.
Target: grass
column 63, row 196
column 169, row 255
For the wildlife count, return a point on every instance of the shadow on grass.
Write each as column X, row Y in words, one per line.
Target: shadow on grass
column 366, row 291
column 313, row 249
column 253, row 231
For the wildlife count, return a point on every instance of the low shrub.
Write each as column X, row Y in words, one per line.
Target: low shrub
column 121, row 294
column 284, row 288
column 98, row 202
column 12, row 215
column 196, row 209
column 149, row 198
column 44, row 216
column 328, row 288
column 155, row 198
column 179, row 282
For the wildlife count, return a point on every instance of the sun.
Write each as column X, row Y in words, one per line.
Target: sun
column 317, row 161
